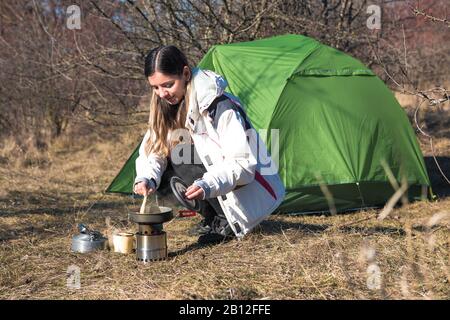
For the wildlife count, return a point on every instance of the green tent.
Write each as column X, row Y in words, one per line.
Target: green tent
column 340, row 127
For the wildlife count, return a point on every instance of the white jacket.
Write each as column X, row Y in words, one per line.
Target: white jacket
column 247, row 191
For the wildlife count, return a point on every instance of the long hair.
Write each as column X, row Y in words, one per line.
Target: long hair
column 165, row 118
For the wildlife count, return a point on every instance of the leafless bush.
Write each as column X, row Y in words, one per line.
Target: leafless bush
column 58, row 81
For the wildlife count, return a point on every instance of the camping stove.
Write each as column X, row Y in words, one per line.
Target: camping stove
column 151, row 240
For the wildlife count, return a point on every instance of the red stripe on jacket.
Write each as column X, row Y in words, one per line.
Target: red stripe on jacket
column 265, row 184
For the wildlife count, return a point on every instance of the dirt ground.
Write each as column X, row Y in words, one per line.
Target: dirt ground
column 347, row 256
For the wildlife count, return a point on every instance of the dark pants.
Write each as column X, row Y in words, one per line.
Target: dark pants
column 209, row 208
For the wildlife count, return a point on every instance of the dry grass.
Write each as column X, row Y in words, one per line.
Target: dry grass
column 286, row 257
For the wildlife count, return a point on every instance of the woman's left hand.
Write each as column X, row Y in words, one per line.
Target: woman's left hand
column 194, row 192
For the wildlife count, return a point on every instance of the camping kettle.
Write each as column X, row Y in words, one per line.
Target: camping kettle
column 88, row 240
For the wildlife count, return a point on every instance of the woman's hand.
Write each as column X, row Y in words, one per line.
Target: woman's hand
column 142, row 189
column 194, row 192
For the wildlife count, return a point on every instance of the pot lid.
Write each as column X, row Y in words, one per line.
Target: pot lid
column 179, row 188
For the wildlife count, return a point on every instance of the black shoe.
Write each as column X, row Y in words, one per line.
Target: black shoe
column 213, row 238
column 220, row 226
column 201, row 228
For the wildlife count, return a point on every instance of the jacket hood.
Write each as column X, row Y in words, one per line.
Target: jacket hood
column 205, row 87
column 208, row 86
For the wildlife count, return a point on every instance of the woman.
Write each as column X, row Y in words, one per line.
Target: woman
column 190, row 111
